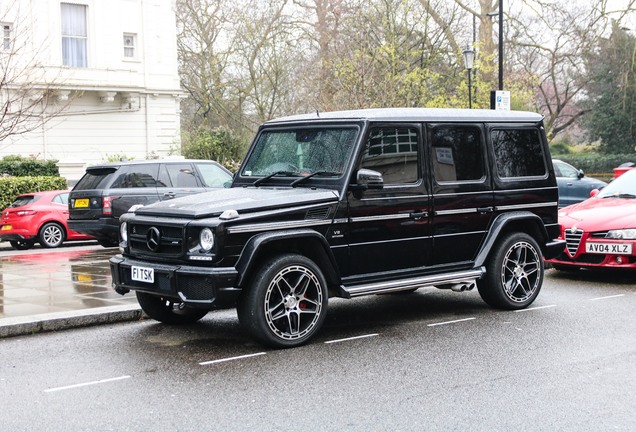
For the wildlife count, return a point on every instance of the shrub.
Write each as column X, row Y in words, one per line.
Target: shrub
column 19, row 166
column 218, row 144
column 595, row 162
column 11, row 187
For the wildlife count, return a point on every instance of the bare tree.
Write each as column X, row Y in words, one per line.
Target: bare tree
column 549, row 41
column 29, row 96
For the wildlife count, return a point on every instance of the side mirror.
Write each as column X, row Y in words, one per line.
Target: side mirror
column 369, row 179
column 594, row 192
column 580, row 174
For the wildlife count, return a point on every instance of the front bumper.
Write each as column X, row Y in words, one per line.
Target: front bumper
column 198, row 286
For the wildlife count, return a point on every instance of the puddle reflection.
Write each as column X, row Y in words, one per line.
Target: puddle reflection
column 57, row 281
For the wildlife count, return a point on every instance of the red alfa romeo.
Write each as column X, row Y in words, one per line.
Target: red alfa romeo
column 600, row 232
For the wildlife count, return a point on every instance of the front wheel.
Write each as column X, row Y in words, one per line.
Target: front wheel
column 514, row 273
column 168, row 311
column 286, row 302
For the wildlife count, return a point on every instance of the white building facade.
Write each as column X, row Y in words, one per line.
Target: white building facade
column 108, row 72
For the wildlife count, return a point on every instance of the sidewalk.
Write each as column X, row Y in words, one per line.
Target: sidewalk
column 54, row 289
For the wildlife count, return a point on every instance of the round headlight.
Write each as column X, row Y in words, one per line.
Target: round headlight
column 123, row 231
column 206, row 239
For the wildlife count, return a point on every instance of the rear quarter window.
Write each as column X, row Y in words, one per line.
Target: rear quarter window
column 518, row 152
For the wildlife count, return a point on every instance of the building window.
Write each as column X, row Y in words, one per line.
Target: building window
column 74, row 35
column 6, row 37
column 130, row 40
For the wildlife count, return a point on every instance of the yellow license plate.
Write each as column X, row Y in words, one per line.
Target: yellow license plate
column 6, row 227
column 81, row 203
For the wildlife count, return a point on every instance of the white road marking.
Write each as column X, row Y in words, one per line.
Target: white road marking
column 450, row 322
column 608, row 297
column 231, row 358
column 535, row 308
column 352, row 338
column 86, row 384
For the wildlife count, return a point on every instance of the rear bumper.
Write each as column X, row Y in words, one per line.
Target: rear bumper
column 101, row 229
column 201, row 286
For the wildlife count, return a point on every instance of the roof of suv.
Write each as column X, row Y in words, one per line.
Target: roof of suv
column 417, row 114
column 148, row 161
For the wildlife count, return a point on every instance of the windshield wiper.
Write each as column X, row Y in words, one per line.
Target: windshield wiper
column 621, row 195
column 275, row 173
column 316, row 173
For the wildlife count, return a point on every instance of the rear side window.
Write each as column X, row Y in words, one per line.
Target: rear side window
column 457, row 153
column 136, row 176
column 518, row 153
column 213, row 175
column 61, row 198
column 95, row 178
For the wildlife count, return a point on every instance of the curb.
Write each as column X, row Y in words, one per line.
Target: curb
column 19, row 326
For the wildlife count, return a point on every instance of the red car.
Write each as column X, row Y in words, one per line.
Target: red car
column 38, row 216
column 601, row 231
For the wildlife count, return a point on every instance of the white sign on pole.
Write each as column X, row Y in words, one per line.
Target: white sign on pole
column 502, row 100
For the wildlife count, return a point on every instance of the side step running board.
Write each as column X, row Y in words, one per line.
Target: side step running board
column 460, row 277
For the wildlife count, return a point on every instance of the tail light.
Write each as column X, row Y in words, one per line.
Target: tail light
column 25, row 213
column 107, row 205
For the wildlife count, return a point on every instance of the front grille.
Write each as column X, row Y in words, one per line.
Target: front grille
column 170, row 239
column 573, row 240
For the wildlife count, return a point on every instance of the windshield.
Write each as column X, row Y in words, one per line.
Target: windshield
column 622, row 187
column 301, row 151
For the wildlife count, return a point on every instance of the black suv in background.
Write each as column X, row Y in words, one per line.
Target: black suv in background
column 352, row 203
column 107, row 191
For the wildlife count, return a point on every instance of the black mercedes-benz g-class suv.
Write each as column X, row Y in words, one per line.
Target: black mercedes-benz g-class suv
column 346, row 204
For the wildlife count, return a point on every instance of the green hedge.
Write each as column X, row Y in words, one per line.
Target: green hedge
column 596, row 163
column 23, row 167
column 11, row 187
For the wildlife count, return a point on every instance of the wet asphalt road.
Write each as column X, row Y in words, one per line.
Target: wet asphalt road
column 431, row 360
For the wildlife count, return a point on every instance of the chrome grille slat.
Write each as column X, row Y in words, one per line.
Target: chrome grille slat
column 573, row 240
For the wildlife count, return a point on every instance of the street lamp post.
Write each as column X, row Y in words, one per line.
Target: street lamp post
column 469, row 58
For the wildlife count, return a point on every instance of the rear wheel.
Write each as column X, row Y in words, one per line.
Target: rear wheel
column 514, row 273
column 286, row 303
column 21, row 244
column 51, row 235
column 168, row 311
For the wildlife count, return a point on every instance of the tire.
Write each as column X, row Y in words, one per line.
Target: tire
column 167, row 311
column 21, row 244
column 51, row 235
column 286, row 302
column 514, row 273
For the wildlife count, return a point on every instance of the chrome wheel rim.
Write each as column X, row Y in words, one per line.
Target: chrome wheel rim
column 52, row 235
column 521, row 274
column 293, row 302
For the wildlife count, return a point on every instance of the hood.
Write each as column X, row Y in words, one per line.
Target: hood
column 243, row 200
column 600, row 214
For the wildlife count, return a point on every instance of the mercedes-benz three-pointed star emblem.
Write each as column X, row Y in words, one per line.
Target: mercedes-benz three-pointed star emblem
column 153, row 239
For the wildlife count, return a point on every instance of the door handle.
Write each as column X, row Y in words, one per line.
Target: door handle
column 418, row 215
column 483, row 210
column 169, row 195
